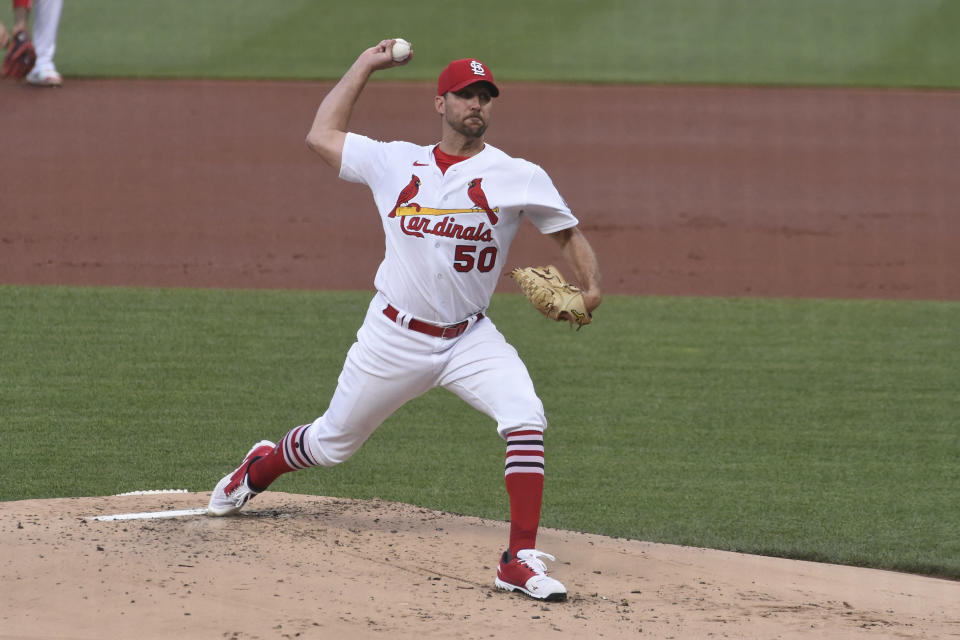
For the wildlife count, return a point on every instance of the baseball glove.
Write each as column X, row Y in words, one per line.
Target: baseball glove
column 552, row 295
column 21, row 56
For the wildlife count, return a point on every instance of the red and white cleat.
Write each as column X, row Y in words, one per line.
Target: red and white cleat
column 527, row 573
column 233, row 491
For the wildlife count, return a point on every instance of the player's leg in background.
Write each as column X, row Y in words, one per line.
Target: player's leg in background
column 46, row 21
column 21, row 15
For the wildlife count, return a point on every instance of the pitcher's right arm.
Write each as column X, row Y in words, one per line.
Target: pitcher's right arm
column 329, row 128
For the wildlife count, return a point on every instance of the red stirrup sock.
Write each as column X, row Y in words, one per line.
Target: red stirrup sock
column 524, row 479
column 290, row 454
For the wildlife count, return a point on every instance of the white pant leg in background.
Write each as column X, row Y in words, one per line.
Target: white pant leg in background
column 46, row 21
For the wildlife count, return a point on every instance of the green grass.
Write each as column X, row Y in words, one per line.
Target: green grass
column 819, row 42
column 824, row 430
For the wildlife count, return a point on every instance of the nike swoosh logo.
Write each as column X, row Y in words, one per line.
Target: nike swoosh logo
column 419, row 164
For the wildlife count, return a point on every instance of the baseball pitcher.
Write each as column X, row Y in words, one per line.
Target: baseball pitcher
column 449, row 212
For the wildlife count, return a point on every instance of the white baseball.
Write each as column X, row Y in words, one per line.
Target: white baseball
column 401, row 50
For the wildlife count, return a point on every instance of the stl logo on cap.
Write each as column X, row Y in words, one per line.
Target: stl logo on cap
column 460, row 73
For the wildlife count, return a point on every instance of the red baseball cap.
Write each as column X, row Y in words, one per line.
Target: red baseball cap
column 461, row 73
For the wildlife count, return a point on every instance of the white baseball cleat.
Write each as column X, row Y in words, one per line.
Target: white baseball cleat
column 233, row 491
column 45, row 78
column 526, row 573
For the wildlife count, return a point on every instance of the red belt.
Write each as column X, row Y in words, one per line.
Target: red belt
column 435, row 330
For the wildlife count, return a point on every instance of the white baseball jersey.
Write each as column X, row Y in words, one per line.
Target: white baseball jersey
column 447, row 235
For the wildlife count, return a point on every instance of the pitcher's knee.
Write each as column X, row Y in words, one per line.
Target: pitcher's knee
column 330, row 445
column 507, row 428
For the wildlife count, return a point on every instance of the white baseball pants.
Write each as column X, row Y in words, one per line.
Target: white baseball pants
column 46, row 22
column 390, row 365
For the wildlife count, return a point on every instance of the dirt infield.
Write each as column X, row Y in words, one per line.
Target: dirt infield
column 683, row 191
column 314, row 567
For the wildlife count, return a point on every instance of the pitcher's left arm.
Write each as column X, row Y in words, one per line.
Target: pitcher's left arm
column 582, row 259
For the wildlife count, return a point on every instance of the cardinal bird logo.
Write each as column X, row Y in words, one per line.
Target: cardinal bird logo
column 406, row 195
column 479, row 198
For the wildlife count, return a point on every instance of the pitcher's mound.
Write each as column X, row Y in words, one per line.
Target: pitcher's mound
column 313, row 567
